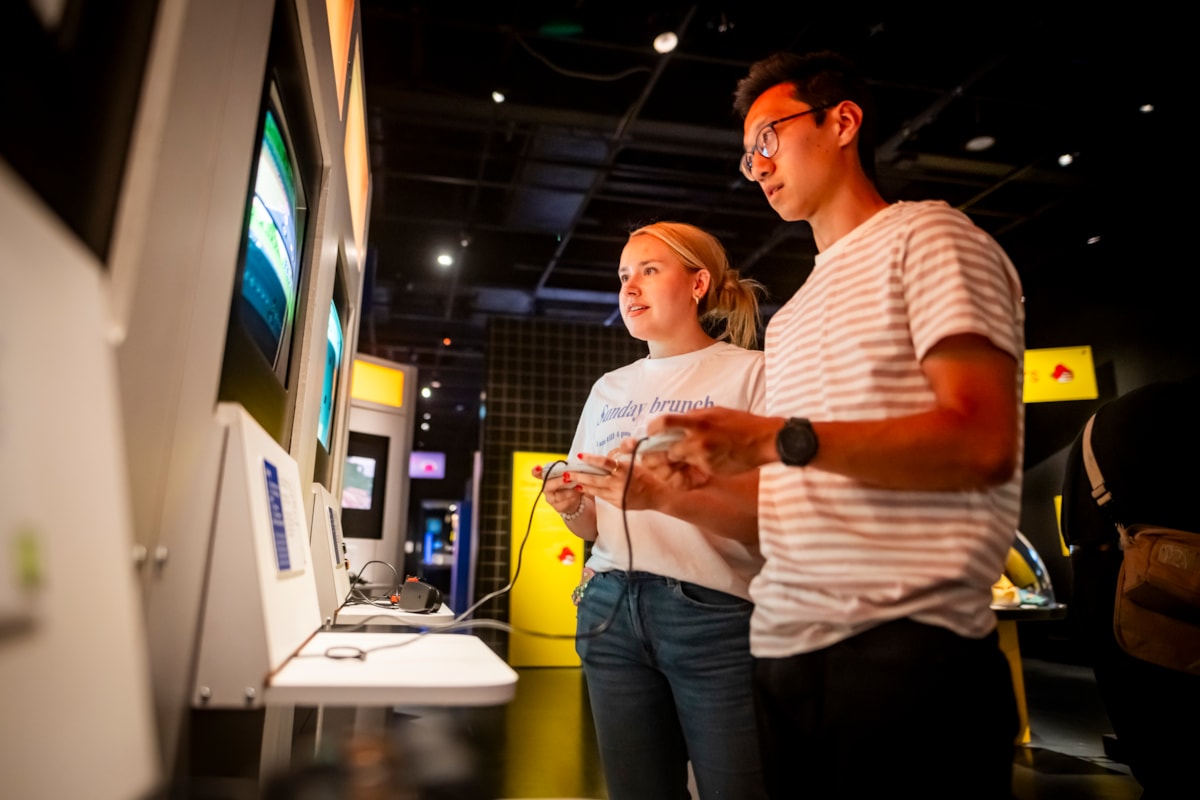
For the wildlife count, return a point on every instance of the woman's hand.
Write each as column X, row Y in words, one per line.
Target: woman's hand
column 562, row 492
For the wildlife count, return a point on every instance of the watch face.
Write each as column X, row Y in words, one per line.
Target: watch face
column 797, row 443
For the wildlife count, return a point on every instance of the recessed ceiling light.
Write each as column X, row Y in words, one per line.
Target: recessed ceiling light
column 424, row 426
column 1146, row 108
column 426, row 392
column 978, row 144
column 1094, row 240
column 497, row 97
column 1066, row 159
column 445, row 259
column 666, row 42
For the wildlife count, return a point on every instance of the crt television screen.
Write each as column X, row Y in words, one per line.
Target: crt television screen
column 333, row 361
column 270, row 270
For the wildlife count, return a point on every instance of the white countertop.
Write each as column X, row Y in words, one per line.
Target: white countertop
column 366, row 614
column 433, row 669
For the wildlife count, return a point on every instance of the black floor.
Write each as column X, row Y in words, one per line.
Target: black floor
column 1065, row 758
column 541, row 745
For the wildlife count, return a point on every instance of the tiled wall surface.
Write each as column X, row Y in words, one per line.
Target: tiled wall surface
column 539, row 373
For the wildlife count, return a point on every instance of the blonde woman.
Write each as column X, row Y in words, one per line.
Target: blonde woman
column 663, row 631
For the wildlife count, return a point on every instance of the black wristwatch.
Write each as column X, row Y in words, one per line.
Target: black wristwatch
column 796, row 442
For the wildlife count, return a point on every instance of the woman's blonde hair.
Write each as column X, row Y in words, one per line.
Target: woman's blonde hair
column 730, row 299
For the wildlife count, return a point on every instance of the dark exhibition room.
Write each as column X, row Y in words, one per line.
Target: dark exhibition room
column 299, row 298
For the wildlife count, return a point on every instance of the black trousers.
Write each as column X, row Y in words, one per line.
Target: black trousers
column 900, row 706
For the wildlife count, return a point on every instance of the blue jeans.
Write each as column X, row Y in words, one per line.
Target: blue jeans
column 670, row 680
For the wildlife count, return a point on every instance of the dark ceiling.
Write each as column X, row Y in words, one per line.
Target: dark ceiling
column 533, row 197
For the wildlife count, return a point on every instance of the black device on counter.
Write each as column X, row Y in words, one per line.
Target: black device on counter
column 417, row 595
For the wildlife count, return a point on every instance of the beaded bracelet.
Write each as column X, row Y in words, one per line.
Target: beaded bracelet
column 576, row 512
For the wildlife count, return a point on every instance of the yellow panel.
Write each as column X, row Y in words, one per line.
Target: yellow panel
column 341, row 19
column 358, row 174
column 551, row 566
column 377, row 384
column 1059, row 373
column 1062, row 540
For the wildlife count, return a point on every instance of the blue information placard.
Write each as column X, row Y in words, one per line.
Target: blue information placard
column 333, row 531
column 278, row 526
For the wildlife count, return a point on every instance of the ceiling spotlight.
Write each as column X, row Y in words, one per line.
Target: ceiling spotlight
column 722, row 23
column 445, row 259
column 426, row 392
column 977, row 144
column 666, row 42
column 1066, row 159
column 1094, row 240
column 424, row 426
column 1146, row 108
column 427, row 416
column 436, row 384
column 497, row 97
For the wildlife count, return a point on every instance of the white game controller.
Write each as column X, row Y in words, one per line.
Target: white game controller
column 661, row 441
column 559, row 467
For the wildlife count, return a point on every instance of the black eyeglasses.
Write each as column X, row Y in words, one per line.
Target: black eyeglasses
column 767, row 144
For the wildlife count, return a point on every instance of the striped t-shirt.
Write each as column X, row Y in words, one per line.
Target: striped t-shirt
column 842, row 556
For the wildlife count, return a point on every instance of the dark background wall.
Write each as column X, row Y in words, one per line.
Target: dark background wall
column 539, row 374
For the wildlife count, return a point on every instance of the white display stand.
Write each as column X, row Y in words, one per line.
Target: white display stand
column 331, row 565
column 75, row 697
column 261, row 598
column 261, row 638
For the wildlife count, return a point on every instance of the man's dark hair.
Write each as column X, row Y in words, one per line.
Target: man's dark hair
column 820, row 79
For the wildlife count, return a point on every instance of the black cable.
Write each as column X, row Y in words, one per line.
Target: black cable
column 358, row 578
column 460, row 622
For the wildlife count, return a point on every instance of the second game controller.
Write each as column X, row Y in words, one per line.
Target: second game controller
column 661, row 441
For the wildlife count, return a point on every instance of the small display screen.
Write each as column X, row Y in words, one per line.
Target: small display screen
column 358, row 483
column 426, row 464
column 364, row 485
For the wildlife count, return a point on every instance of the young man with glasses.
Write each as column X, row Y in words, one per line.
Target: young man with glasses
column 890, row 463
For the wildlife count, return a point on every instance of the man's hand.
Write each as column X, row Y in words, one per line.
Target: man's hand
column 635, row 492
column 718, row 441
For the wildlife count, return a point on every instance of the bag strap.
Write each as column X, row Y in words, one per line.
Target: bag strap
column 1100, row 492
